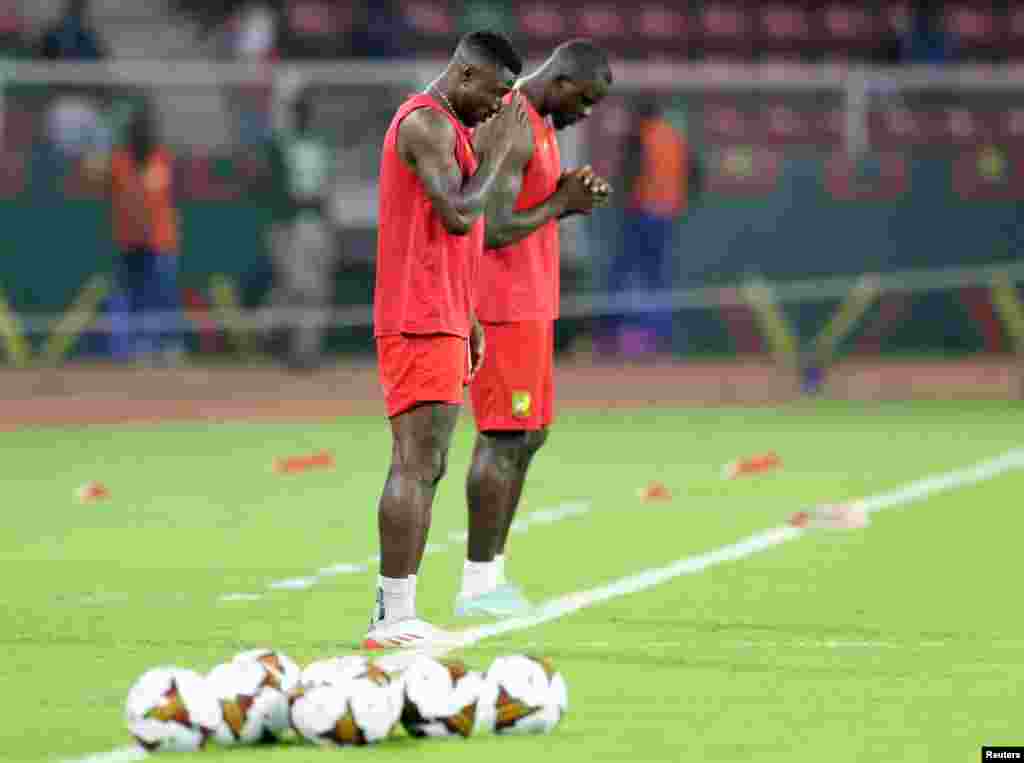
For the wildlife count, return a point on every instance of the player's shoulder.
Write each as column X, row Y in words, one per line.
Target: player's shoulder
column 426, row 123
column 524, row 147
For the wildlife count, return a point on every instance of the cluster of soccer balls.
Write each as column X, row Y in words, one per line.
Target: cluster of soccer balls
column 262, row 696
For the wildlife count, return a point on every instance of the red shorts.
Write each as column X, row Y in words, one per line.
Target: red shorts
column 515, row 388
column 414, row 369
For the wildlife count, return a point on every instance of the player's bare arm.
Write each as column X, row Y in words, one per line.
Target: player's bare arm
column 477, row 348
column 426, row 142
column 577, row 193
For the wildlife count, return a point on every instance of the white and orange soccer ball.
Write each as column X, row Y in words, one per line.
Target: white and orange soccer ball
column 282, row 671
column 254, row 708
column 521, row 695
column 356, row 711
column 337, row 670
column 439, row 698
column 170, row 709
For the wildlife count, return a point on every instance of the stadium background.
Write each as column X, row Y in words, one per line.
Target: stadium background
column 860, row 228
column 826, row 162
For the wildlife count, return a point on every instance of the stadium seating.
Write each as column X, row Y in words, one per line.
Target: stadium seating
column 664, row 29
column 783, row 30
column 606, row 23
column 727, row 123
column 845, row 30
column 542, row 24
column 978, row 30
column 726, row 28
column 1014, row 25
column 319, row 28
column 431, row 24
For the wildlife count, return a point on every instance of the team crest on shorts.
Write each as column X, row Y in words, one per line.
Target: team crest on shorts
column 521, row 404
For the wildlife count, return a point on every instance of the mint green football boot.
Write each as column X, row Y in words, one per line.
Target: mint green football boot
column 506, row 600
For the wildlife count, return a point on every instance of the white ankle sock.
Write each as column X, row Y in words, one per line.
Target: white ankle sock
column 396, row 600
column 478, row 578
column 499, row 577
column 413, row 579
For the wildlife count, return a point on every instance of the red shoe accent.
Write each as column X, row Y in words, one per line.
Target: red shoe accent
column 371, row 644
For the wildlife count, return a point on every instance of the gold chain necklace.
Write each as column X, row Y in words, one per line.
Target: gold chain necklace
column 444, row 98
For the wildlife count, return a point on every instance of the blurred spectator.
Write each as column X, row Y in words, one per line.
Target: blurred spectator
column 382, row 32
column 255, row 32
column 13, row 42
column 314, row 29
column 303, row 246
column 662, row 177
column 927, row 41
column 145, row 226
column 73, row 37
column 253, row 37
column 889, row 51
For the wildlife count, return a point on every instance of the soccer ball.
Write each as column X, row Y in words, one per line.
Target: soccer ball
column 439, row 698
column 521, row 695
column 254, row 708
column 171, row 709
column 358, row 711
column 337, row 670
column 282, row 671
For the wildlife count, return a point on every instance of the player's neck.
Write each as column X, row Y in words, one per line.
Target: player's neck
column 535, row 90
column 438, row 90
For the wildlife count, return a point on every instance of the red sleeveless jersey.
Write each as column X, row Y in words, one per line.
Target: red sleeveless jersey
column 520, row 282
column 425, row 275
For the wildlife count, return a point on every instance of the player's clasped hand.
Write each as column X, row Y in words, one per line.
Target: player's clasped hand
column 599, row 187
column 583, row 190
column 508, row 127
column 477, row 349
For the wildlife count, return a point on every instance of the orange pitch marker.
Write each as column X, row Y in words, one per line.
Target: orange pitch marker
column 655, row 491
column 91, row 492
column 753, row 465
column 832, row 517
column 320, row 460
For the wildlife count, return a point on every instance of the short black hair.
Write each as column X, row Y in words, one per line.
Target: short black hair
column 582, row 61
column 491, row 48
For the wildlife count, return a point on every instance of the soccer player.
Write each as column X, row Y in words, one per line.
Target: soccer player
column 433, row 190
column 513, row 395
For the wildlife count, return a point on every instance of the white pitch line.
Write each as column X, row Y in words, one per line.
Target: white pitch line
column 534, row 518
column 555, row 609
column 641, row 581
column 941, row 483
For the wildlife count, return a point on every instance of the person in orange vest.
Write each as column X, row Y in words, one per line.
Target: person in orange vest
column 145, row 228
column 662, row 178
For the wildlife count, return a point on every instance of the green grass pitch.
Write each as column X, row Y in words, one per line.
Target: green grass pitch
column 899, row 642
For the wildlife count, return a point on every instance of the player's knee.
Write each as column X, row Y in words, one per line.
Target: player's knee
column 505, row 449
column 430, row 464
column 424, row 460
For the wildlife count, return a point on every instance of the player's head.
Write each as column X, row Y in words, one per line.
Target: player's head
column 481, row 72
column 142, row 130
column 648, row 107
column 580, row 77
